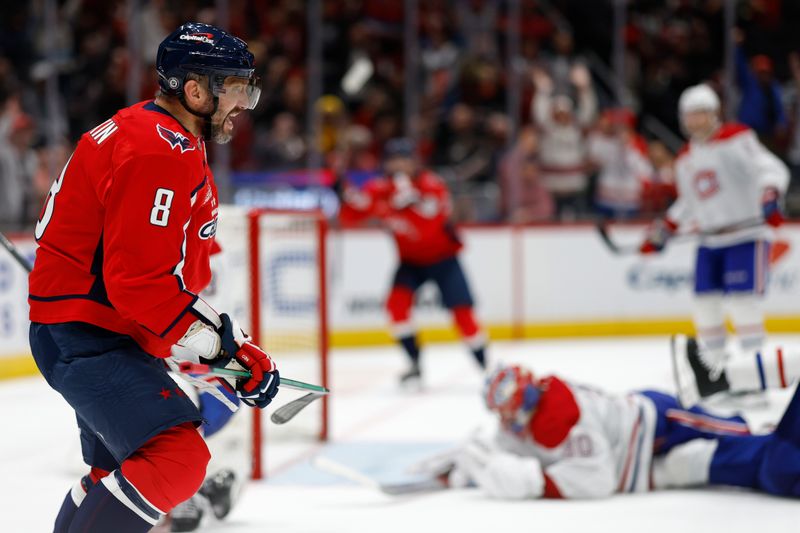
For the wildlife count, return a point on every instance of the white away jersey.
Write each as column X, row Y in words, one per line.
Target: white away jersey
column 720, row 186
column 590, row 444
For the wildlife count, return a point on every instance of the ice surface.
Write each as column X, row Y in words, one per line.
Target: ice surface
column 380, row 430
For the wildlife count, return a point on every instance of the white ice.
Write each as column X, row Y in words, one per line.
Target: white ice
column 380, row 430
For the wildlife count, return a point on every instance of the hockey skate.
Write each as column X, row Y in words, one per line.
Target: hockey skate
column 217, row 489
column 693, row 379
column 412, row 376
column 187, row 516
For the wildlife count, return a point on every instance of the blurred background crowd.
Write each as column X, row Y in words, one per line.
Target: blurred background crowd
column 531, row 110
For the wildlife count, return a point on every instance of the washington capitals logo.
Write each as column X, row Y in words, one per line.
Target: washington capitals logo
column 175, row 139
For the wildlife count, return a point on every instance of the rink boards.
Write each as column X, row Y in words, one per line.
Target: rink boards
column 532, row 281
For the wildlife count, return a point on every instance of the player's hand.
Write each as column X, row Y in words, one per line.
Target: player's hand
column 657, row 236
column 771, row 208
column 262, row 386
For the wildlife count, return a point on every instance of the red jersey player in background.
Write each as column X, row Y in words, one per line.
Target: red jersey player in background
column 414, row 204
column 124, row 242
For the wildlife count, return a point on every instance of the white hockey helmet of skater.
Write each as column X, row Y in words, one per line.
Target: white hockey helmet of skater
column 699, row 112
column 698, row 98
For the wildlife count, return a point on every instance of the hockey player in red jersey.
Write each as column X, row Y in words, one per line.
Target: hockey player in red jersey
column 414, row 204
column 124, row 241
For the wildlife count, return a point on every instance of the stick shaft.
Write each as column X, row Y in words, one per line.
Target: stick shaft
column 14, row 251
column 199, row 368
column 602, row 229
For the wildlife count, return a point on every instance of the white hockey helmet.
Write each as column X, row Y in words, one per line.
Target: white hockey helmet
column 698, row 98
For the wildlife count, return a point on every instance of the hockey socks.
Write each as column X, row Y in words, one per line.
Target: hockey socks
column 480, row 355
column 464, row 318
column 114, row 505
column 72, row 501
column 410, row 345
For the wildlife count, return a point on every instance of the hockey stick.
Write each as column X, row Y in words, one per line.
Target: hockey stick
column 14, row 251
column 286, row 412
column 188, row 367
column 617, row 249
column 391, row 489
column 282, row 414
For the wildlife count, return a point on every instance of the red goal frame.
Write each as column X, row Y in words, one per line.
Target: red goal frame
column 254, row 243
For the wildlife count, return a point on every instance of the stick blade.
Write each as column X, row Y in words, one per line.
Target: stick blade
column 614, row 248
column 286, row 412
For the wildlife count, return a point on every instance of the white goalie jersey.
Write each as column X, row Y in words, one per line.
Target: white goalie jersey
column 580, row 443
column 720, row 186
column 589, row 444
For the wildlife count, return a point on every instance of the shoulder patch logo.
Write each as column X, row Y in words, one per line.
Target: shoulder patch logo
column 175, row 139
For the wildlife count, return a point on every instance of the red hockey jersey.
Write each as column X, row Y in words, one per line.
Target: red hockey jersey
column 416, row 211
column 126, row 231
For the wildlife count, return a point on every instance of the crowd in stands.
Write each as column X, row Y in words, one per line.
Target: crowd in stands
column 572, row 149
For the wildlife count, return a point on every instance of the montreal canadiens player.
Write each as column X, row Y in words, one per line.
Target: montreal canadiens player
column 729, row 189
column 124, row 242
column 415, row 206
column 561, row 440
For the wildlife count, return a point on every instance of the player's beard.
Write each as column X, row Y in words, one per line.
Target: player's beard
column 218, row 133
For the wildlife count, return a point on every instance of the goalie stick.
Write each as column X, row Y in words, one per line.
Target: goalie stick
column 281, row 415
column 617, row 249
column 390, row 489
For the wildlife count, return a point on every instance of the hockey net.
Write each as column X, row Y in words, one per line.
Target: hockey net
column 271, row 275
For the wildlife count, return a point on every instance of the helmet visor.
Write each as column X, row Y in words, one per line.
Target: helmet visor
column 243, row 92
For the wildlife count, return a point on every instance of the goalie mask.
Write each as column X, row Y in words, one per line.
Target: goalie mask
column 513, row 394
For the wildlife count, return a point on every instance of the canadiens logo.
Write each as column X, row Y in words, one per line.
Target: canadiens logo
column 706, row 183
column 199, row 37
column 175, row 139
column 208, row 230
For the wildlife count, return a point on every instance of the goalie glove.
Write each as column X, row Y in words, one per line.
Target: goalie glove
column 502, row 475
column 657, row 236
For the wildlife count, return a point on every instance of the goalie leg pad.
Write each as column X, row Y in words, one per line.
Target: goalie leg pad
column 169, row 468
column 686, row 465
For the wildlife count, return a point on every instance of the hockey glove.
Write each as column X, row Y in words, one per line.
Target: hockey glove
column 770, row 205
column 262, row 386
column 405, row 194
column 657, row 236
column 503, row 475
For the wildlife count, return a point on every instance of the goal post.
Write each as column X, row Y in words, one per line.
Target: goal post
column 272, row 276
column 282, row 240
